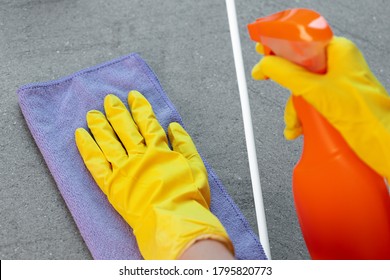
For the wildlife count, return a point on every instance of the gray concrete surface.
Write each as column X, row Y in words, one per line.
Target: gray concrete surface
column 187, row 43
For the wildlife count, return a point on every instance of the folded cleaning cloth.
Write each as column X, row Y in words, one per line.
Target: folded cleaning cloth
column 53, row 110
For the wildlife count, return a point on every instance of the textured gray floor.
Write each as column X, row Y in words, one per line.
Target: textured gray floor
column 187, row 43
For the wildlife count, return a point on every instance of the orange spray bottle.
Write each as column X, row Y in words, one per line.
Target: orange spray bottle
column 343, row 206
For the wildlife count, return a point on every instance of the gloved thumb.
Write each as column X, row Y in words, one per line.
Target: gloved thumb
column 287, row 74
column 182, row 142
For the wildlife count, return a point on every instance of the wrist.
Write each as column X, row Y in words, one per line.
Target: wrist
column 166, row 233
column 207, row 249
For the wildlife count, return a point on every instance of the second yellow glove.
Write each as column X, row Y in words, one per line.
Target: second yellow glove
column 348, row 96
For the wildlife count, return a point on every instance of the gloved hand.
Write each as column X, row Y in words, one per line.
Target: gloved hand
column 162, row 194
column 348, row 96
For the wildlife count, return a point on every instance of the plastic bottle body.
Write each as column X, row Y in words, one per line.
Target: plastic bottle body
column 343, row 206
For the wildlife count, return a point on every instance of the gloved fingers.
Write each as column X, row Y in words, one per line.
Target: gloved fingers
column 123, row 124
column 147, row 122
column 293, row 127
column 106, row 138
column 260, row 48
column 257, row 73
column 93, row 157
column 289, row 75
column 183, row 144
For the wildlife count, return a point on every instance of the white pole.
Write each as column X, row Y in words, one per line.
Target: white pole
column 248, row 129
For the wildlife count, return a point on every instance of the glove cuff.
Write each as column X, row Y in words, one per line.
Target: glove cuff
column 165, row 233
column 224, row 239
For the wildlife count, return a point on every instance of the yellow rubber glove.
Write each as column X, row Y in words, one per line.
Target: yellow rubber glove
column 162, row 194
column 349, row 96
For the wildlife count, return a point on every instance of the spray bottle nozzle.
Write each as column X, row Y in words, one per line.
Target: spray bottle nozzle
column 299, row 35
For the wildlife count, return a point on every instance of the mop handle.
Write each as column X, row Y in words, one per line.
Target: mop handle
column 248, row 128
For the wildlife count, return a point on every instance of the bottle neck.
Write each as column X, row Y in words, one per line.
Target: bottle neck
column 321, row 140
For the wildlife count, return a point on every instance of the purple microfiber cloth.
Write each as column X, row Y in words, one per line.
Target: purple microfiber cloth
column 53, row 110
